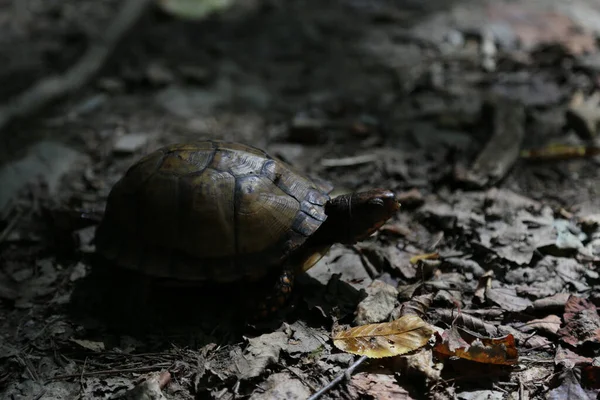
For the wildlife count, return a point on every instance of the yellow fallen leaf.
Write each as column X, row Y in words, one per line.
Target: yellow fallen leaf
column 426, row 256
column 388, row 339
column 560, row 152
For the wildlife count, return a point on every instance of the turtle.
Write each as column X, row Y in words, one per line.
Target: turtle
column 219, row 211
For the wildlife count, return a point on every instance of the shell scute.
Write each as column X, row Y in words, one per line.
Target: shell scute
column 209, row 210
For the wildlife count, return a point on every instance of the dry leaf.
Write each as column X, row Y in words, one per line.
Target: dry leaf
column 582, row 322
column 456, row 342
column 507, row 298
column 467, row 321
column 552, row 303
column 378, row 386
column 550, row 324
column 419, row 366
column 590, row 377
column 485, row 282
column 538, row 27
column 428, row 256
column 379, row 303
column 389, row 339
column 560, row 152
column 89, row 344
column 418, row 306
column 570, row 387
column 568, row 359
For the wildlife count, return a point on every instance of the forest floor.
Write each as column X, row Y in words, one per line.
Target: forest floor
column 482, row 117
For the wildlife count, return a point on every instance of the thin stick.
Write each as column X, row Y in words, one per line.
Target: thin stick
column 111, row 371
column 81, row 383
column 346, row 374
column 49, row 89
column 11, row 225
column 349, row 161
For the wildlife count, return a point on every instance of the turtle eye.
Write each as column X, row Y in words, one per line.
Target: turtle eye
column 376, row 201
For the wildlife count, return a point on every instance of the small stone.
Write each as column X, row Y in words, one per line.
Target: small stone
column 130, row 143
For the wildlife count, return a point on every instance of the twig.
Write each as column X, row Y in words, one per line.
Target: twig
column 346, row 374
column 110, row 371
column 349, row 161
column 81, row 384
column 51, row 88
column 13, row 222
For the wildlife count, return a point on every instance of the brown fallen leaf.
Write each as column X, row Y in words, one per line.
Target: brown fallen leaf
column 418, row 306
column 582, row 322
column 379, row 303
column 552, row 303
column 538, row 27
column 507, row 298
column 590, row 377
column 465, row 320
column 568, row 359
column 457, row 342
column 389, row 339
column 90, row 344
column 585, row 367
column 484, row 283
column 570, row 387
column 150, row 388
column 549, row 324
column 377, row 386
column 418, row 366
column 401, row 260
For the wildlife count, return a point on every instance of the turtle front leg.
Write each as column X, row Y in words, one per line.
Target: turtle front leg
column 279, row 294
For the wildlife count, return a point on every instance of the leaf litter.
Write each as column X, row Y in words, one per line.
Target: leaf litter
column 494, row 257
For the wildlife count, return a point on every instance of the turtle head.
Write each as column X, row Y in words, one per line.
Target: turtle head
column 355, row 216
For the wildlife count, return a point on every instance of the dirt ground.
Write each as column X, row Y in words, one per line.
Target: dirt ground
column 481, row 116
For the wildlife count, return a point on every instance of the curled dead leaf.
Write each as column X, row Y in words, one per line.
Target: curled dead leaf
column 401, row 336
column 456, row 342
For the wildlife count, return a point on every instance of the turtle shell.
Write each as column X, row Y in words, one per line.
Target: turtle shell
column 209, row 210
